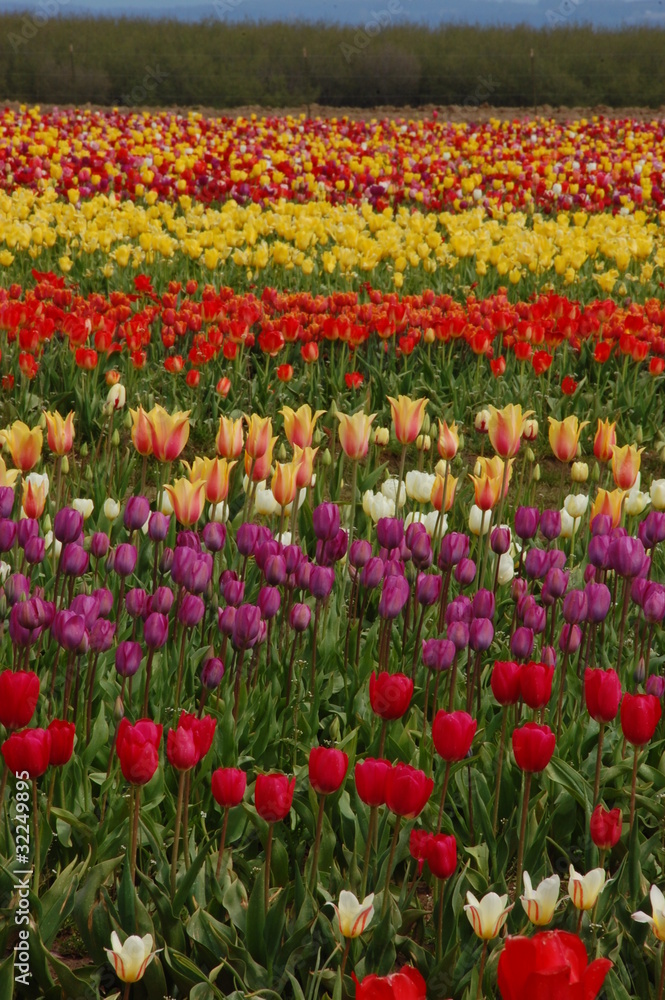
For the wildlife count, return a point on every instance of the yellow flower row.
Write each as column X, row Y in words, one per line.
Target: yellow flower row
column 331, row 239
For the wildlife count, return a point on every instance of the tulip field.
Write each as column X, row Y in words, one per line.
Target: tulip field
column 331, row 602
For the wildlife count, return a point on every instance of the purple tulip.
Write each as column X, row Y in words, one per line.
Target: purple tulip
column 8, row 532
column 99, row 544
column 428, row 588
column 266, row 549
column 550, row 524
column 654, row 527
column 325, row 520
column 17, row 588
column 555, row 584
column 372, row 573
column 300, row 616
column 655, row 685
column 35, row 550
column 598, row 551
column 465, row 572
column 293, row 556
column 269, row 601
column 67, row 525
column 124, row 560
column 27, row 528
column 158, row 526
column 86, row 605
column 638, row 590
column 136, row 513
column 233, row 591
column 389, row 532
column 161, row 601
column 359, row 554
column 570, row 638
column 394, row 595
column 183, row 560
column 481, row 634
column 438, row 654
column 128, row 658
column 246, row 626
column 599, row 600
column 601, row 525
column 653, row 606
column 214, row 538
column 74, row 559
column 212, row 672
column 536, row 563
column 626, row 556
column 7, row 498
column 421, row 551
column 534, row 615
column 191, row 610
column 521, row 643
column 226, row 619
column 330, row 552
column 500, row 540
column 393, row 567
column 166, row 560
column 483, row 604
column 274, row 570
column 68, row 629
column 518, row 589
column 155, row 630
column 188, row 540
column 574, row 608
column 454, row 547
column 18, row 634
column 199, row 573
column 458, row 633
column 105, row 598
column 321, row 582
column 102, row 635
column 548, row 656
column 135, row 602
column 303, row 574
column 246, row 538
column 459, row 610
column 526, row 522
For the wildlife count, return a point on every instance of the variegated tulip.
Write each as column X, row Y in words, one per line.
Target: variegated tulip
column 488, row 915
column 657, row 921
column 259, row 468
column 353, row 916
column 131, row 959
column 24, row 443
column 585, row 889
column 283, row 484
column 60, row 432
column 187, row 500
column 539, row 904
column 604, row 440
column 626, row 465
column 408, row 415
column 354, row 434
column 608, row 503
column 299, row 425
column 505, row 429
column 564, row 437
column 448, row 440
column 259, row 436
column 304, row 459
column 170, row 432
column 229, row 441
column 437, row 498
column 141, row 432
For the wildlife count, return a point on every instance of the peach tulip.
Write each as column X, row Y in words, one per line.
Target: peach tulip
column 8, row 477
column 487, row 490
column 608, row 503
column 494, row 467
column 604, row 440
column 141, row 432
column 258, row 469
column 354, row 434
column 448, row 440
column 25, row 444
column 170, row 432
column 438, row 501
column 299, row 425
column 505, row 429
column 565, row 436
column 284, row 482
column 59, row 432
column 626, row 465
column 304, row 458
column 259, row 433
column 187, row 500
column 215, row 473
column 33, row 499
column 408, row 415
column 229, row 440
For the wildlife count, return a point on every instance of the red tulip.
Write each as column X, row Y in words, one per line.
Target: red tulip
column 552, row 965
column 62, row 741
column 453, row 734
column 327, row 769
column 181, row 749
column 228, row 786
column 605, row 827
column 533, row 746
column 202, row 730
column 28, row 750
column 138, row 750
column 418, row 841
column 536, row 684
column 505, row 682
column 602, row 692
column 407, row 984
column 407, row 790
column 19, row 693
column 441, row 855
column 390, row 694
column 640, row 714
column 371, row 776
column 273, row 795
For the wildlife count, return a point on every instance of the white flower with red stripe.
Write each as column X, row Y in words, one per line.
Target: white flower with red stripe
column 539, row 904
column 353, row 915
column 584, row 890
column 488, row 915
column 131, row 959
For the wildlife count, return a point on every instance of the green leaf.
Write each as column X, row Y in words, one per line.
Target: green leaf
column 256, row 920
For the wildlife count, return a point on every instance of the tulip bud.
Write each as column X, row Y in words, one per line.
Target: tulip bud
column 118, row 709
column 535, row 475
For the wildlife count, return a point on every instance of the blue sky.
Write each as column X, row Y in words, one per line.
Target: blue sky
column 539, row 13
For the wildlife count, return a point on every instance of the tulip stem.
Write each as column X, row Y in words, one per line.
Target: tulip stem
column 481, row 972
column 92, row 669
column 382, row 738
column 222, row 842
column 446, row 779
column 317, row 844
column 439, row 921
column 35, row 820
column 401, row 477
column 176, row 830
column 499, row 769
column 520, row 849
column 181, row 662
column 564, row 671
column 125, row 995
column 148, row 675
column 453, row 685
column 136, row 809
column 266, row 887
column 344, row 960
column 599, row 761
column 661, row 984
column 354, row 484
column 633, row 786
column 3, row 785
column 622, row 627
column 373, row 813
column 391, row 859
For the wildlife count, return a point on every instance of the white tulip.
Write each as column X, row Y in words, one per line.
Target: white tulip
column 353, row 915
column 479, row 520
column 657, row 491
column 488, row 915
column 111, row 509
column 131, row 959
column 284, row 538
column 567, row 524
column 539, row 904
column 506, row 569
column 218, row 512
column 116, row 397
column 389, row 490
column 584, row 890
column 635, row 502
column 38, row 480
column 166, row 505
column 265, row 503
column 5, row 569
column 657, row 921
column 84, row 506
column 419, row 485
column 576, row 504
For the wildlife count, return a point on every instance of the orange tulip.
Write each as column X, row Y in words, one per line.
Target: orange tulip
column 229, row 438
column 437, row 499
column 448, row 441
column 626, row 465
column 354, row 434
column 283, row 483
column 565, row 436
column 34, row 498
column 408, row 415
column 187, row 500
column 258, row 469
column 215, row 473
column 169, row 431
column 24, row 444
column 141, row 431
column 304, row 458
column 608, row 503
column 604, row 440
column 259, row 433
column 493, row 468
column 299, row 425
column 487, row 490
column 505, row 429
column 59, row 432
